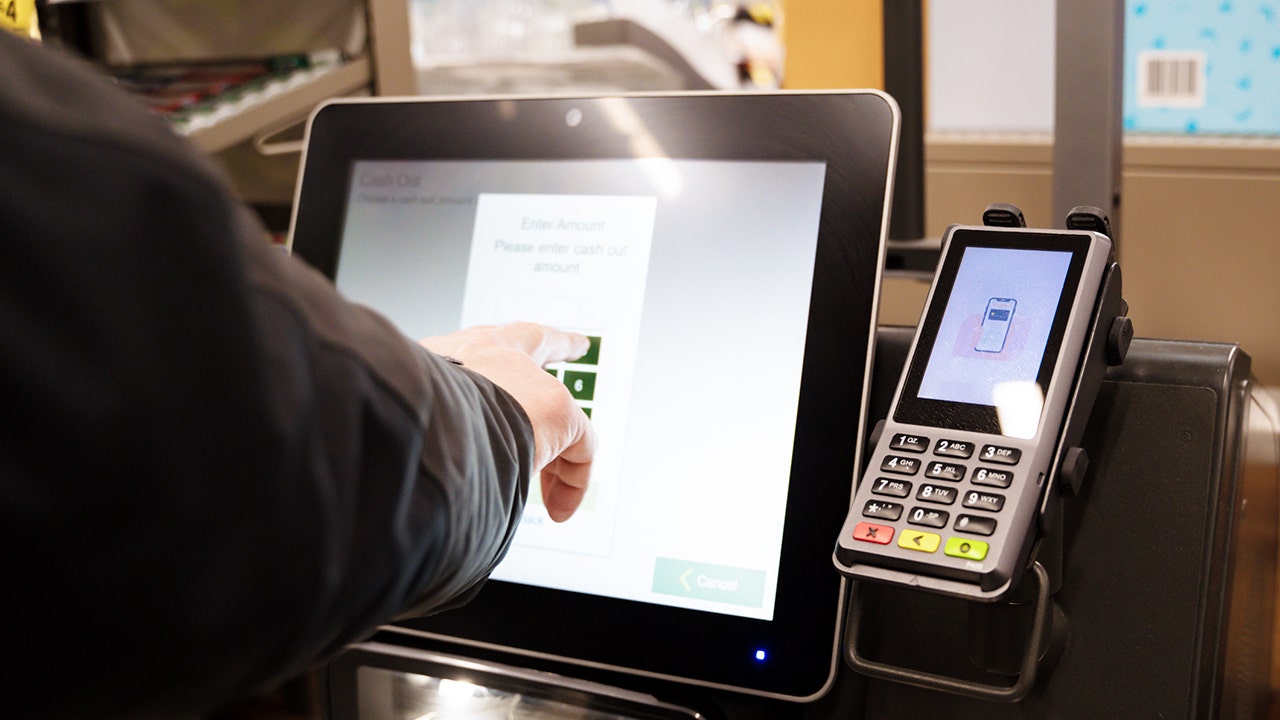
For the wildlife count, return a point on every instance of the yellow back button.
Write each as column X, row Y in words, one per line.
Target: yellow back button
column 966, row 548
column 916, row 540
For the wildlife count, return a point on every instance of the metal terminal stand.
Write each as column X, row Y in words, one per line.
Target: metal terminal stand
column 1043, row 631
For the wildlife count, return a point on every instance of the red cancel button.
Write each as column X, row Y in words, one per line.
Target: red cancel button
column 870, row 532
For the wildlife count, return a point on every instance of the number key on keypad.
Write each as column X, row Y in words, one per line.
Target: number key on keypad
column 900, row 465
column 940, row 494
column 928, row 517
column 944, row 471
column 904, row 442
column 953, row 448
column 993, row 477
column 592, row 356
column 983, row 501
column 582, row 385
column 1001, row 455
column 891, row 487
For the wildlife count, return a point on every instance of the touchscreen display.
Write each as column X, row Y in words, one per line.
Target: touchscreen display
column 693, row 279
column 991, row 342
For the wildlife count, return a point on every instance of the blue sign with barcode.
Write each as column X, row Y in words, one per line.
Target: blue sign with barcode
column 1202, row 68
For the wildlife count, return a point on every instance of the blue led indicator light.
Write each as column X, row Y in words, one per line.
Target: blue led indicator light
column 760, row 655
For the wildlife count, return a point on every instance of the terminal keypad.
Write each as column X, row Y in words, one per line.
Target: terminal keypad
column 955, row 473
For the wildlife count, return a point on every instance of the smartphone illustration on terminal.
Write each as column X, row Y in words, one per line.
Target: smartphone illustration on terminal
column 995, row 324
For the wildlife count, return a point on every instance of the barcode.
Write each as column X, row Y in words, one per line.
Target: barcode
column 1171, row 78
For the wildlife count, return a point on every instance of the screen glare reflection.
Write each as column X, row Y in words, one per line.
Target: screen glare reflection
column 1018, row 406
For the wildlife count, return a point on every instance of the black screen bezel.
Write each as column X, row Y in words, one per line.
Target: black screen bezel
column 854, row 133
column 929, row 412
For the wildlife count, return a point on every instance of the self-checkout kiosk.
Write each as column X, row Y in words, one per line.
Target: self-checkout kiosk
column 724, row 253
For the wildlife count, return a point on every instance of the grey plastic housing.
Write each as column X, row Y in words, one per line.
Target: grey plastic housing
column 1011, row 542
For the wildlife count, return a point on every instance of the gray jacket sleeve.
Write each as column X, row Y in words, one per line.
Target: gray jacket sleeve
column 213, row 469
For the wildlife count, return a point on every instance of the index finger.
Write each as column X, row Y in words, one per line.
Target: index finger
column 543, row 343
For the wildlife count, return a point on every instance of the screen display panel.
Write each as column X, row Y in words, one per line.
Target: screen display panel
column 728, row 288
column 677, row 272
column 989, row 343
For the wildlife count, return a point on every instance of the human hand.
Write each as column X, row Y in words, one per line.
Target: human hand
column 512, row 356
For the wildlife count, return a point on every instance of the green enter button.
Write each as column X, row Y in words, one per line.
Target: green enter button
column 966, row 548
column 719, row 583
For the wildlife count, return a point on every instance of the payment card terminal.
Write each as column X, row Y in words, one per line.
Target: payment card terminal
column 950, row 499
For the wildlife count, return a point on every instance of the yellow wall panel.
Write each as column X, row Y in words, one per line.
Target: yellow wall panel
column 833, row 44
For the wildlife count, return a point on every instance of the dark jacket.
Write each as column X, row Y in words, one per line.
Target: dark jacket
column 213, row 469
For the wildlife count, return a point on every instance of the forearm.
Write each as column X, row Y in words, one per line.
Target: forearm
column 460, row 494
